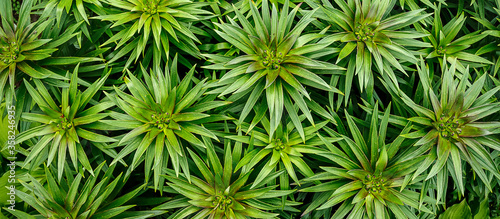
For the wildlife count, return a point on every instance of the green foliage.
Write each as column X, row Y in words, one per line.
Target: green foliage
column 274, row 61
column 26, row 47
column 284, row 148
column 166, row 21
column 241, row 109
column 61, row 126
column 446, row 48
column 461, row 210
column 68, row 198
column 370, row 180
column 217, row 196
column 452, row 129
column 377, row 38
column 160, row 113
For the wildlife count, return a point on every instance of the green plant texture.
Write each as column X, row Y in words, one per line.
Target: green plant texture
column 313, row 109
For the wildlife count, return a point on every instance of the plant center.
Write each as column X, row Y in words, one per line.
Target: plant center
column 373, row 184
column 441, row 50
column 448, row 127
column 222, row 202
column 151, row 7
column 10, row 52
column 279, row 145
column 363, row 32
column 64, row 123
column 161, row 120
column 272, row 59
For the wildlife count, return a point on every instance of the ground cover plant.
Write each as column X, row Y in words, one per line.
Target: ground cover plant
column 250, row 109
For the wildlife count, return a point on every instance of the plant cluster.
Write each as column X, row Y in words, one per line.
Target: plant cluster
column 250, row 109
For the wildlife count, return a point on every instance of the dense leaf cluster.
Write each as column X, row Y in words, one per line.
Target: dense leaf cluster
column 250, row 109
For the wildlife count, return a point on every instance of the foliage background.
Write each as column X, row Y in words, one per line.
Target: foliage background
column 252, row 109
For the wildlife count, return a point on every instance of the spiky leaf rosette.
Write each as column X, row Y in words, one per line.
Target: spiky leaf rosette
column 26, row 47
column 370, row 37
column 277, row 60
column 75, row 197
column 451, row 131
column 160, row 21
column 282, row 151
column 442, row 37
column 77, row 8
column 160, row 112
column 370, row 181
column 215, row 195
column 63, row 125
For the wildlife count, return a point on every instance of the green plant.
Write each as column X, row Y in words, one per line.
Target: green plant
column 379, row 39
column 26, row 48
column 166, row 21
column 160, row 113
column 217, row 196
column 63, row 125
column 75, row 6
column 276, row 60
column 446, row 48
column 451, row 131
column 68, row 198
column 282, row 151
column 286, row 109
column 370, row 181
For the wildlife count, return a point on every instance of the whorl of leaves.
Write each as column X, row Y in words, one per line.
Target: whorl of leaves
column 250, row 109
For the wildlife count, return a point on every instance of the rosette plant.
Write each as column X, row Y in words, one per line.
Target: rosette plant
column 63, row 120
column 75, row 197
column 75, row 6
column 163, row 21
column 26, row 47
column 277, row 60
column 283, row 151
column 160, row 112
column 451, row 131
column 368, row 178
column 216, row 195
column 370, row 36
column 444, row 43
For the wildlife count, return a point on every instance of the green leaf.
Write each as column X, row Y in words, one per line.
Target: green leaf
column 471, row 131
column 91, row 136
column 460, row 210
column 337, row 199
column 40, row 145
column 484, row 210
column 382, row 161
column 180, row 117
column 19, row 214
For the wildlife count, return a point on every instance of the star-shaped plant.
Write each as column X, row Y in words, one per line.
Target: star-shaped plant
column 164, row 21
column 369, row 36
column 284, row 150
column 63, row 125
column 161, row 112
column 76, row 6
column 451, row 130
column 75, row 197
column 443, row 43
column 277, row 60
column 217, row 196
column 23, row 49
column 370, row 180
